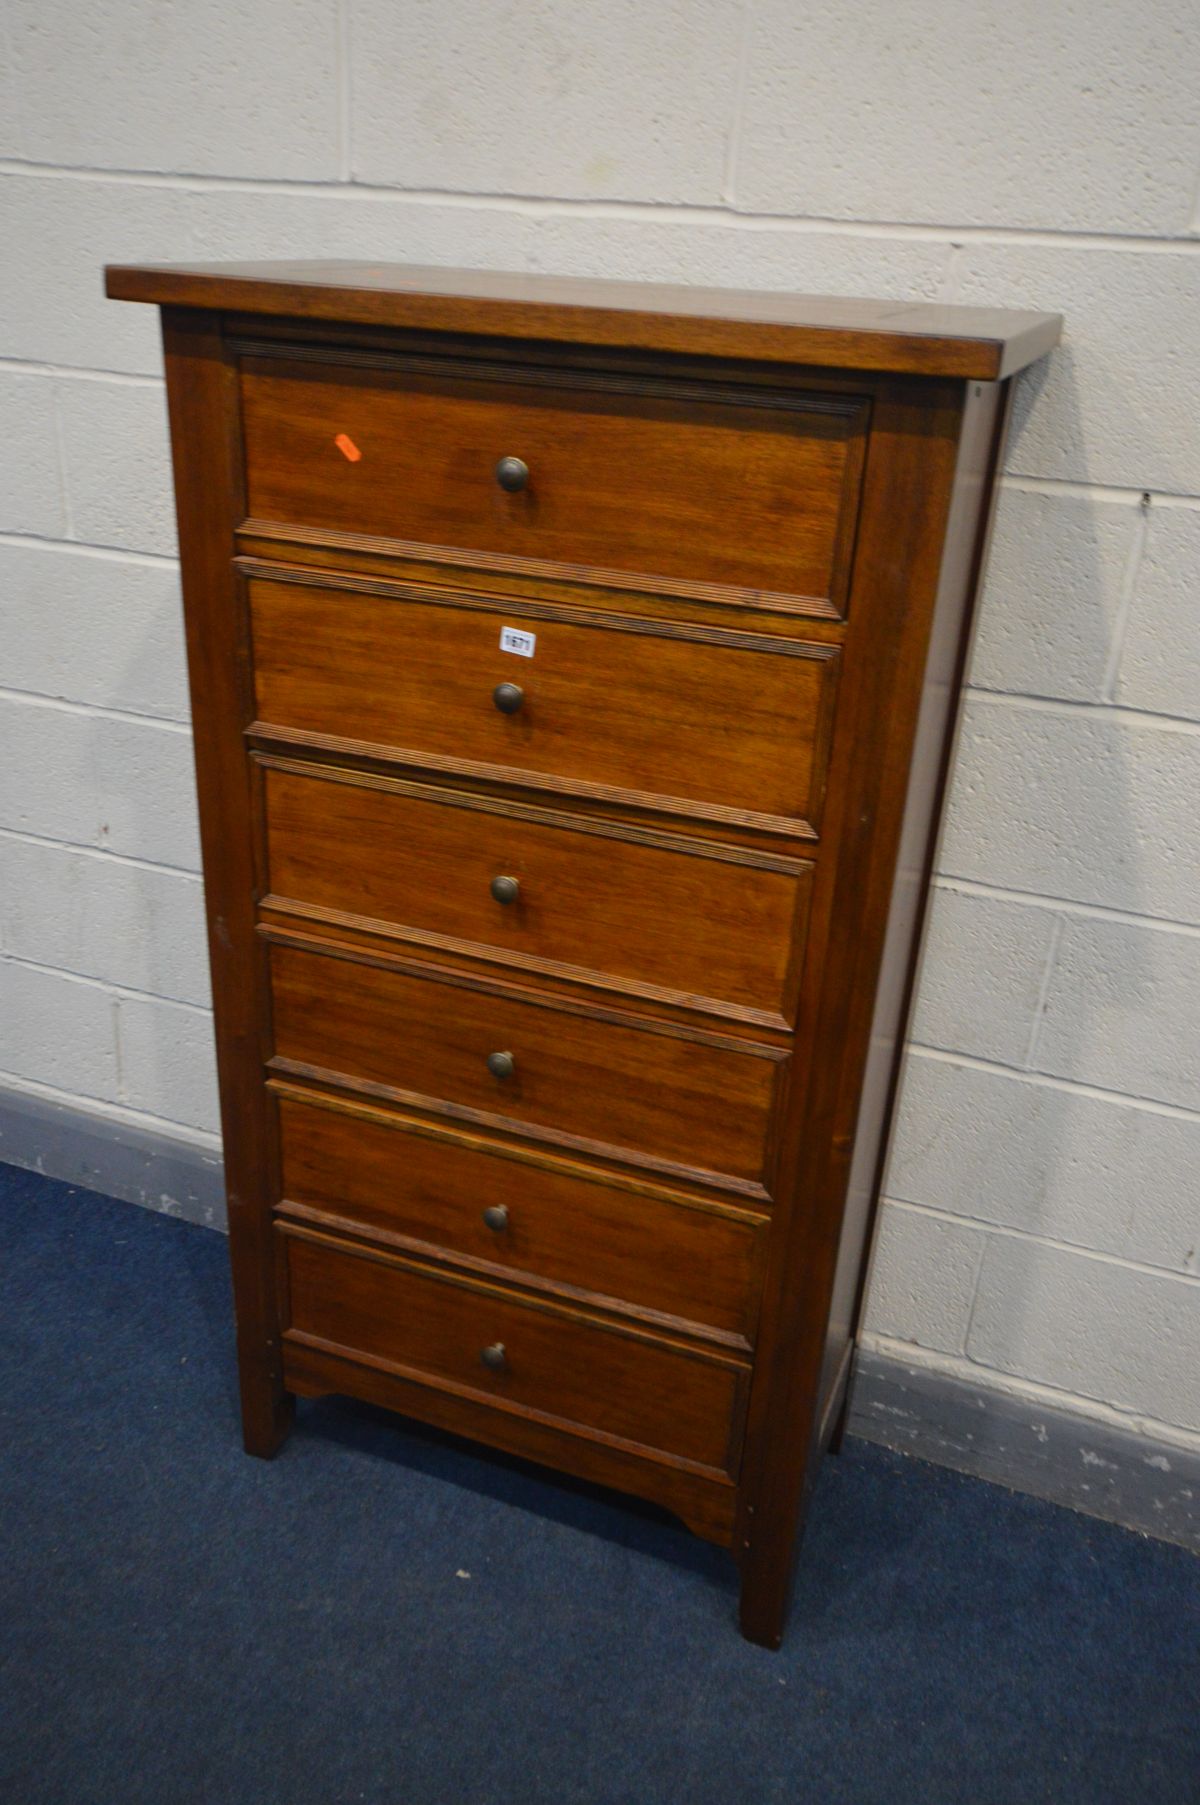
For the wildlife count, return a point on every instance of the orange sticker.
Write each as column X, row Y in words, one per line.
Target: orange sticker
column 347, row 447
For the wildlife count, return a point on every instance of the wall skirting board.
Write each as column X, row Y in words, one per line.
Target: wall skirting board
column 139, row 1164
column 1052, row 1452
column 1093, row 1466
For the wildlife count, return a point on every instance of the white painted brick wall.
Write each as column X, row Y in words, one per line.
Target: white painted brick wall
column 167, row 1062
column 1048, row 632
column 58, row 1031
column 585, row 102
column 210, row 86
column 104, row 780
column 1122, row 1010
column 1088, row 1169
column 932, row 111
column 1043, row 1223
column 97, row 916
column 1090, row 1326
column 116, row 461
column 1160, row 653
column 1090, row 805
column 30, row 467
column 985, row 962
column 95, row 627
column 927, row 1273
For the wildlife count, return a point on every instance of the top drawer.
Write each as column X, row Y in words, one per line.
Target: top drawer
column 677, row 486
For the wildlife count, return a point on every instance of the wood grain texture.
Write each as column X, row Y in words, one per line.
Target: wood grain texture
column 670, row 1259
column 916, row 338
column 599, row 584
column 916, row 485
column 729, row 490
column 703, row 1024
column 562, row 1366
column 690, row 1103
column 688, row 714
column 202, row 399
column 389, row 856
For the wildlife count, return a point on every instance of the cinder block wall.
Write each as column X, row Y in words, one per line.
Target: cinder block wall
column 1043, row 1225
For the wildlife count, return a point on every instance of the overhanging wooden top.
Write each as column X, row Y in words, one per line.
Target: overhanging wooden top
column 914, row 338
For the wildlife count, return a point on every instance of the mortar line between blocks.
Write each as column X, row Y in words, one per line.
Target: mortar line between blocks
column 110, row 985
column 1097, row 705
column 1035, row 1027
column 82, row 548
column 1125, row 600
column 966, row 886
column 1129, row 495
column 1075, row 1087
column 1099, row 711
column 677, row 212
column 37, row 699
column 98, row 852
column 1006, row 1231
column 29, row 366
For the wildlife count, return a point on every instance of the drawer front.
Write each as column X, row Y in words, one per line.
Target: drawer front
column 557, row 1366
column 552, row 1222
column 692, row 484
column 665, row 916
column 686, row 1102
column 722, row 720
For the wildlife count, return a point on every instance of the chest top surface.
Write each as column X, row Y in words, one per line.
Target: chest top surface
column 983, row 344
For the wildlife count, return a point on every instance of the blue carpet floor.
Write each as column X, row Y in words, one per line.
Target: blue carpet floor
column 382, row 1615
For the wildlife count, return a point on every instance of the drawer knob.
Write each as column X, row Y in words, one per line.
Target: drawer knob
column 512, row 474
column 508, row 697
column 494, row 1357
column 505, row 889
column 501, row 1065
column 496, row 1216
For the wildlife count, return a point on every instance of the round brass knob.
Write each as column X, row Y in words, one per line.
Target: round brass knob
column 494, row 1357
column 501, row 1065
column 508, row 697
column 512, row 474
column 496, row 1216
column 505, row 889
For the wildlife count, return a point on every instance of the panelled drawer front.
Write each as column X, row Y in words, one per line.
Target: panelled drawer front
column 559, row 1366
column 661, row 914
column 728, row 721
column 695, row 1263
column 680, row 483
column 688, row 1103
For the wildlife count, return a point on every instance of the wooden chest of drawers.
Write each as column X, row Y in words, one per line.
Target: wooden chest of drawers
column 573, row 671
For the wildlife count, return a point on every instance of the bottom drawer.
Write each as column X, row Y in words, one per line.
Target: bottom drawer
column 553, row 1365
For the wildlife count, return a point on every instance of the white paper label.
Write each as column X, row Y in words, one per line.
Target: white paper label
column 512, row 639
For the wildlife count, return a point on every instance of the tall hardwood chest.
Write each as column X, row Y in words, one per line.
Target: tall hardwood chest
column 573, row 669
